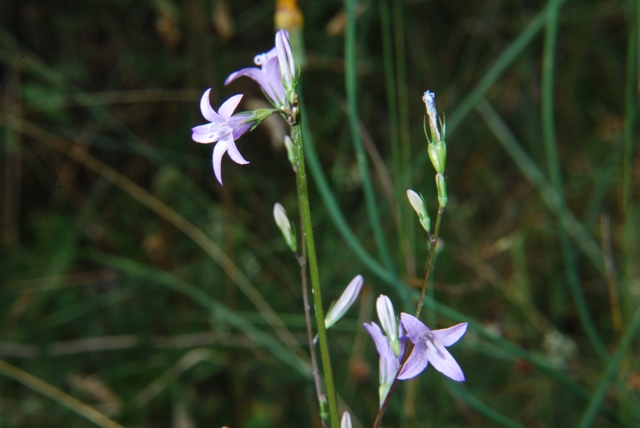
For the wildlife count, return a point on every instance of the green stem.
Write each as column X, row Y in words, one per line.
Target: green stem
column 303, row 200
column 553, row 165
column 351, row 87
column 430, row 259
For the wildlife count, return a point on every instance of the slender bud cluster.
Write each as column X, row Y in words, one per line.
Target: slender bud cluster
column 437, row 147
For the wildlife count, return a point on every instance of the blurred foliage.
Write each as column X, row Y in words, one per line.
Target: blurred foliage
column 106, row 300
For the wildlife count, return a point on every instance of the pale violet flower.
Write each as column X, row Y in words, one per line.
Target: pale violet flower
column 390, row 347
column 267, row 76
column 346, row 300
column 280, row 216
column 430, row 346
column 346, row 420
column 223, row 129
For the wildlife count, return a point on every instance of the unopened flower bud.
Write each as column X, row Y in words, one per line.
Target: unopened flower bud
column 346, row 300
column 442, row 190
column 437, row 147
column 346, row 421
column 291, row 153
column 285, row 59
column 280, row 215
column 389, row 323
column 420, row 207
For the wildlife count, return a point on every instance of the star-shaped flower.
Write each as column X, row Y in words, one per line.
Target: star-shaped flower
column 429, row 346
column 223, row 129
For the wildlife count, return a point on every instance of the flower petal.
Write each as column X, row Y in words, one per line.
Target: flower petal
column 219, row 151
column 227, row 108
column 379, row 339
column 202, row 134
column 416, row 363
column 207, row 110
column 234, row 154
column 449, row 336
column 444, row 362
column 415, row 328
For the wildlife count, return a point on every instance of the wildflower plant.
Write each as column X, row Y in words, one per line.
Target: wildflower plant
column 405, row 345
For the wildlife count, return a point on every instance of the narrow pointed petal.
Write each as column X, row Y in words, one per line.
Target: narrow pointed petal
column 203, row 134
column 378, row 337
column 444, row 362
column 415, row 328
column 227, row 108
column 219, row 151
column 207, row 110
column 449, row 336
column 253, row 73
column 235, row 155
column 416, row 363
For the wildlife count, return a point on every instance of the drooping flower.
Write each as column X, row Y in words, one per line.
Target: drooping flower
column 267, row 76
column 429, row 346
column 346, row 300
column 224, row 129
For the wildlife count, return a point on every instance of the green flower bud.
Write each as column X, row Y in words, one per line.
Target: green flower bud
column 442, row 190
column 280, row 215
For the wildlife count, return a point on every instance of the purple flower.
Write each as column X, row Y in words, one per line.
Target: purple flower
column 429, row 346
column 223, row 129
column 267, row 76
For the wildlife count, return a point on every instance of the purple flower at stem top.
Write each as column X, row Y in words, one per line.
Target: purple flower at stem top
column 430, row 346
column 267, row 76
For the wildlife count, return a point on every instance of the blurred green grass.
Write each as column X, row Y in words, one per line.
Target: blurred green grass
column 134, row 283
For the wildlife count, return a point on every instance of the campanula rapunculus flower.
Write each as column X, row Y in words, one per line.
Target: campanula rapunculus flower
column 390, row 347
column 223, row 129
column 429, row 346
column 267, row 76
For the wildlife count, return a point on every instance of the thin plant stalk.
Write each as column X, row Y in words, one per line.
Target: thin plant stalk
column 303, row 201
column 430, row 259
column 553, row 165
column 302, row 261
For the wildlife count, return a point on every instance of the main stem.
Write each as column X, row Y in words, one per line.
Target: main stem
column 303, row 201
